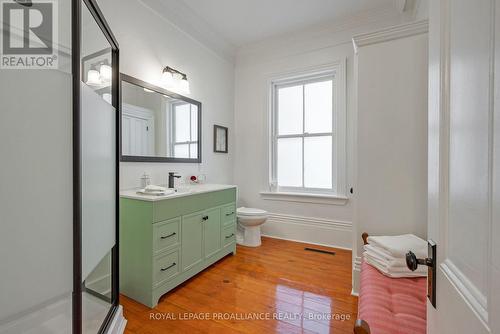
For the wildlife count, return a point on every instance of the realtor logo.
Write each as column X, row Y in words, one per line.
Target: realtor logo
column 29, row 33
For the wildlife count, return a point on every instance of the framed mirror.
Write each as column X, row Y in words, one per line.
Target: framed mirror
column 158, row 125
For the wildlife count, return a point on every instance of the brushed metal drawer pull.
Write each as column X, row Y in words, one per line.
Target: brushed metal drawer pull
column 205, row 218
column 229, row 214
column 168, row 236
column 229, row 236
column 170, row 266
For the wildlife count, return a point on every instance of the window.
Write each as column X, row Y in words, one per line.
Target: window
column 308, row 134
column 184, row 130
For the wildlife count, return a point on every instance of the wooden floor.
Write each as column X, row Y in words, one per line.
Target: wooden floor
column 276, row 288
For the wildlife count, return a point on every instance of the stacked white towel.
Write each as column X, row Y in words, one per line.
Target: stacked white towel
column 388, row 254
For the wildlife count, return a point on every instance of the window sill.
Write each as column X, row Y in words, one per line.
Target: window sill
column 304, row 198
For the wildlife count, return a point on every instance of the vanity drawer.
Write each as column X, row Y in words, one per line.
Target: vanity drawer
column 166, row 235
column 228, row 214
column 229, row 235
column 165, row 267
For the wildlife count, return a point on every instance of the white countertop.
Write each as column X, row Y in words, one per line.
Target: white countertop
column 186, row 190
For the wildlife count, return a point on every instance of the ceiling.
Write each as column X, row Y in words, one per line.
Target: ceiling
column 224, row 26
column 242, row 22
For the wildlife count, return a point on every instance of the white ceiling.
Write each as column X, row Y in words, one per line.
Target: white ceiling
column 241, row 22
column 226, row 25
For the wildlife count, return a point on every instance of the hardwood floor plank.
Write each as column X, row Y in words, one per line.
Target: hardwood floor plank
column 291, row 289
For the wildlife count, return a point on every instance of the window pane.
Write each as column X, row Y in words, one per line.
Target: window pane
column 318, row 107
column 194, row 151
column 181, row 151
column 290, row 162
column 290, row 108
column 182, row 126
column 318, row 162
column 194, row 122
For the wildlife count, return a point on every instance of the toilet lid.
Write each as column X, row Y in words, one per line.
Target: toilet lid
column 250, row 212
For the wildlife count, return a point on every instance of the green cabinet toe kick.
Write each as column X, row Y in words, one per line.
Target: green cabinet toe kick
column 164, row 243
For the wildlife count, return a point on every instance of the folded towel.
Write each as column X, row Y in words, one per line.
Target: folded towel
column 398, row 245
column 396, row 269
column 384, row 257
column 152, row 188
column 395, row 272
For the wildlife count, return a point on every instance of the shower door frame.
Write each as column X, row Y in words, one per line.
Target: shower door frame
column 96, row 13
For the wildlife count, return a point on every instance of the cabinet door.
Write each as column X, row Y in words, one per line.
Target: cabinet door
column 212, row 232
column 192, row 240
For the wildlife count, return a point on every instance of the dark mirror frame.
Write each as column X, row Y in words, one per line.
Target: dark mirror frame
column 144, row 84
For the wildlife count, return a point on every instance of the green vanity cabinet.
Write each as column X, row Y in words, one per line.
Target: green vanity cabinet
column 192, row 240
column 164, row 242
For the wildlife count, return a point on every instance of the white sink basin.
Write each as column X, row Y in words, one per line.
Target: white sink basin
column 167, row 192
column 184, row 190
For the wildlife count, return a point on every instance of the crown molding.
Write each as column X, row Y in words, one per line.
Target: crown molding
column 318, row 36
column 391, row 33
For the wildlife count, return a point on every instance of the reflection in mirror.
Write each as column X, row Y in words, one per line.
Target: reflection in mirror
column 158, row 125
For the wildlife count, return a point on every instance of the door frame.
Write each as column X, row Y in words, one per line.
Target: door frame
column 76, row 11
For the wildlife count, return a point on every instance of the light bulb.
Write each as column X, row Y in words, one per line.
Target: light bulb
column 167, row 79
column 184, row 86
column 148, row 90
column 177, row 77
column 105, row 72
column 93, row 78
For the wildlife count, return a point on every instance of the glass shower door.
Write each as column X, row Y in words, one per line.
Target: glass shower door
column 98, row 115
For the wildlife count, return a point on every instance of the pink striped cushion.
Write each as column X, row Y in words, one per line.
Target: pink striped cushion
column 392, row 305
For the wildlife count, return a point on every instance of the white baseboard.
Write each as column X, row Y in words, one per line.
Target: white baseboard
column 119, row 322
column 356, row 271
column 317, row 231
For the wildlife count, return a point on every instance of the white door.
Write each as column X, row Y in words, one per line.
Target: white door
column 464, row 166
column 136, row 136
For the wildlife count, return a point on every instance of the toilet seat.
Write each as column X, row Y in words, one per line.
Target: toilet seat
column 250, row 212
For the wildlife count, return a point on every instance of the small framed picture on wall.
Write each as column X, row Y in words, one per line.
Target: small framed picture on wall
column 220, row 139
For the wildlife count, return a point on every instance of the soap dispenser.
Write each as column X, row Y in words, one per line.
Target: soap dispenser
column 145, row 180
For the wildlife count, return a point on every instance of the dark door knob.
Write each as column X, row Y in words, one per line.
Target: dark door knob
column 412, row 262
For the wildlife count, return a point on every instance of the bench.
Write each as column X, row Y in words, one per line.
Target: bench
column 390, row 305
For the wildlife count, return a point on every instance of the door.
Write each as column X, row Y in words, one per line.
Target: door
column 95, row 96
column 212, row 233
column 464, row 152
column 192, row 240
column 138, row 126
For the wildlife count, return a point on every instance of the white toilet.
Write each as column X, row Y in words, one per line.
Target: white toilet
column 249, row 221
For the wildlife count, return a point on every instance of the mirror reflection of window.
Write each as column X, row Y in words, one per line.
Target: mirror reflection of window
column 184, row 129
column 157, row 125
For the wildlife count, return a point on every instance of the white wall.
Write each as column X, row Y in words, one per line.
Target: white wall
column 148, row 43
column 255, row 64
column 391, row 138
column 36, row 221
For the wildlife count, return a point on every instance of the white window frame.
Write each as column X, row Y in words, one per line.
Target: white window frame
column 336, row 71
column 171, row 124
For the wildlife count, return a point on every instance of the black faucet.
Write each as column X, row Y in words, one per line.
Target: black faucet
column 171, row 176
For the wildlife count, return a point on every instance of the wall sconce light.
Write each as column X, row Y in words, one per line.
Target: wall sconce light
column 99, row 75
column 175, row 80
column 93, row 78
column 105, row 72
